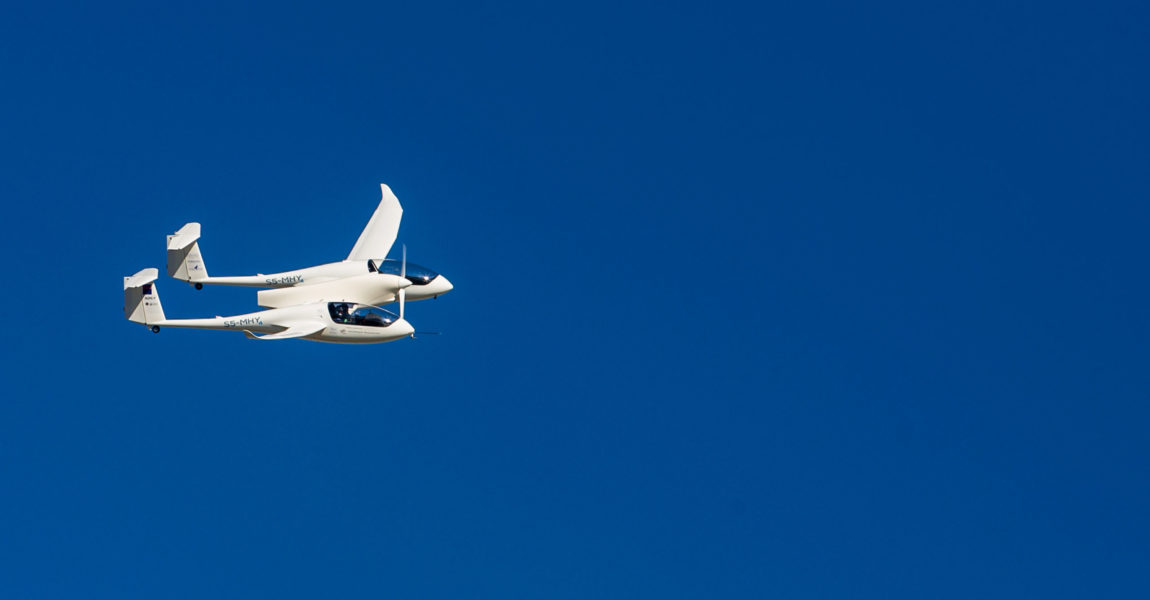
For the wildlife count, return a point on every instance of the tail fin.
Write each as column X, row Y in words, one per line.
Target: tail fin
column 184, row 259
column 141, row 301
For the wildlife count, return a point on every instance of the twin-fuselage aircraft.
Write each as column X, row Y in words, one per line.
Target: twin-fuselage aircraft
column 334, row 302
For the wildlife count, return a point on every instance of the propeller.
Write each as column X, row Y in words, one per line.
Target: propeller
column 403, row 274
column 403, row 293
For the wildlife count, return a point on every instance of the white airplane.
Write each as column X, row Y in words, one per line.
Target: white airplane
column 337, row 322
column 365, row 277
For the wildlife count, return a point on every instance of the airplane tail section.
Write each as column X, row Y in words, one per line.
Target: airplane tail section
column 141, row 300
column 184, row 259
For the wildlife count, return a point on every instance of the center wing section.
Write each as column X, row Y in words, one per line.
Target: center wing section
column 381, row 230
column 293, row 330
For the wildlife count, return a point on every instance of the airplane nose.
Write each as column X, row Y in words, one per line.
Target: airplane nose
column 443, row 286
column 402, row 328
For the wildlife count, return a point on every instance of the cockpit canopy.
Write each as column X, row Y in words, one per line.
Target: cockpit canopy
column 416, row 274
column 346, row 313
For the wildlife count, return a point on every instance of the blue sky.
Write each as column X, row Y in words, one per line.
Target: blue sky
column 808, row 300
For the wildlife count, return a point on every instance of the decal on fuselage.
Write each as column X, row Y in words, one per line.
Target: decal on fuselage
column 285, row 280
column 243, row 322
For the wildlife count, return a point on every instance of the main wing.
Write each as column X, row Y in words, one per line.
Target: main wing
column 381, row 230
column 293, row 330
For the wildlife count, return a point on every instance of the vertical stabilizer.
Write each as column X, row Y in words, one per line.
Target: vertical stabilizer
column 141, row 301
column 184, row 259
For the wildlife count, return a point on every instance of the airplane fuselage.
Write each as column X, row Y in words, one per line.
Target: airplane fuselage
column 276, row 320
column 309, row 275
column 421, row 288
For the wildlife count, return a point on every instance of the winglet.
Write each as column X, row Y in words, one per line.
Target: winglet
column 381, row 230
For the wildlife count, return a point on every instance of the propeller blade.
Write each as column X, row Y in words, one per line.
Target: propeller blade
column 403, row 274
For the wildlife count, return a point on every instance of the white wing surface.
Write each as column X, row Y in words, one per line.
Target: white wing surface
column 381, row 230
column 293, row 330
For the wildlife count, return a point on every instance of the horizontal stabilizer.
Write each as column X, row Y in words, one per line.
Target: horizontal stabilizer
column 184, row 237
column 294, row 330
column 145, row 276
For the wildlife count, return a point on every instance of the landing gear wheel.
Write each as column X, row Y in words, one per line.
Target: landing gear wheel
column 155, row 329
column 199, row 286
